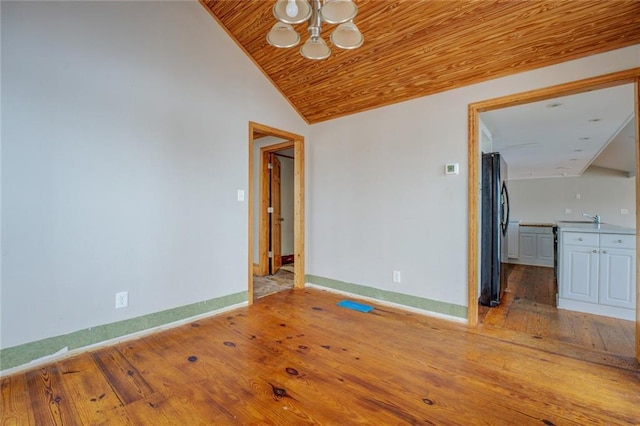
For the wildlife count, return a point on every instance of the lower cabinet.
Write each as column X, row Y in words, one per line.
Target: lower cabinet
column 513, row 239
column 617, row 277
column 580, row 273
column 536, row 246
column 598, row 274
column 544, row 248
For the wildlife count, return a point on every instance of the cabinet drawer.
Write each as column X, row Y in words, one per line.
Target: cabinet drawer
column 580, row 238
column 536, row 229
column 618, row 241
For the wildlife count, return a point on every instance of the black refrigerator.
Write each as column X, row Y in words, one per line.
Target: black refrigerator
column 495, row 220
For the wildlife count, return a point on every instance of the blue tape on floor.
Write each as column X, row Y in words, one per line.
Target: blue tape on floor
column 349, row 304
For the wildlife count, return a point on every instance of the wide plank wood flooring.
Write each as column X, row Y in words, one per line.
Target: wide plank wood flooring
column 529, row 306
column 296, row 358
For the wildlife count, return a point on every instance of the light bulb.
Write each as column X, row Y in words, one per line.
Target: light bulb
column 292, row 8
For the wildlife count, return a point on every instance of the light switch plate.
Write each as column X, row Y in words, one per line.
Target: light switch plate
column 240, row 194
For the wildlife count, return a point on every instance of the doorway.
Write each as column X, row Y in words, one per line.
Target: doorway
column 275, row 267
column 610, row 80
column 267, row 148
column 564, row 156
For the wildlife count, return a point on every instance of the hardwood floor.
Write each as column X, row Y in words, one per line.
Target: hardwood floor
column 529, row 306
column 296, row 358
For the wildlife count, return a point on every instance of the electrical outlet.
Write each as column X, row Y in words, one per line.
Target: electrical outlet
column 122, row 299
column 567, row 211
column 396, row 276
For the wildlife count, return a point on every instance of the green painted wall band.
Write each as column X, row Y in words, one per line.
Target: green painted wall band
column 22, row 354
column 444, row 308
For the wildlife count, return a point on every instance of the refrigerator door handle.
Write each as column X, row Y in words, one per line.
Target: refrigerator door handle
column 504, row 211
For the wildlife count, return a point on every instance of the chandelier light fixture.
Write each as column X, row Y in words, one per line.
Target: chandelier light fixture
column 292, row 12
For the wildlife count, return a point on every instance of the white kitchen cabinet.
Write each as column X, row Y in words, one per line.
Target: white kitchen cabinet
column 513, row 239
column 527, row 247
column 598, row 274
column 617, row 274
column 579, row 275
column 544, row 248
column 536, row 246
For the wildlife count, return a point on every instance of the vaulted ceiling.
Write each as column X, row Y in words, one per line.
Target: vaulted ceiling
column 414, row 48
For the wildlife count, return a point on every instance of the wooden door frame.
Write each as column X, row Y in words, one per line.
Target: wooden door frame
column 256, row 131
column 565, row 89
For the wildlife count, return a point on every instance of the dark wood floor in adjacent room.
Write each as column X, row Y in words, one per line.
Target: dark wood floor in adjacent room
column 296, row 358
column 529, row 306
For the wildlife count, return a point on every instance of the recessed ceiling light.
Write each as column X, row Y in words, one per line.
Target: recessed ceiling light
column 563, row 168
column 573, row 159
column 577, row 150
column 594, row 120
column 554, row 105
column 585, row 138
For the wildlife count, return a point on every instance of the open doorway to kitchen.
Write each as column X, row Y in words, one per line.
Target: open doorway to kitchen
column 530, row 304
column 276, row 210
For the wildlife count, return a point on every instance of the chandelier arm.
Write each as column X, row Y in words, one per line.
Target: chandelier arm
column 315, row 23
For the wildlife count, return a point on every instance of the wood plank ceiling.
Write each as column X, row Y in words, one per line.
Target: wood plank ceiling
column 420, row 47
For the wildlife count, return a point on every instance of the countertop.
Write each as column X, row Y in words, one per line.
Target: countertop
column 592, row 227
column 537, row 224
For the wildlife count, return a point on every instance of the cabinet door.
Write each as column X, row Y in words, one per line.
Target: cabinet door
column 617, row 277
column 528, row 246
column 513, row 240
column 544, row 247
column 580, row 273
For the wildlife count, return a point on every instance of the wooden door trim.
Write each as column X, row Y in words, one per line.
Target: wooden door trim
column 297, row 142
column 574, row 87
column 637, row 334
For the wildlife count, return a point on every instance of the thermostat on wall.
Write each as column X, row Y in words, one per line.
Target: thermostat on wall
column 451, row 169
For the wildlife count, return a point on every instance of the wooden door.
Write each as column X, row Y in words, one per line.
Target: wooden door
column 276, row 218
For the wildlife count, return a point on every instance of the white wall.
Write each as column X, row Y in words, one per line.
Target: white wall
column 124, row 141
column 384, row 203
column 485, row 139
column 602, row 191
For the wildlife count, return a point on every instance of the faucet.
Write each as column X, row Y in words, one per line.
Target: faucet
column 595, row 219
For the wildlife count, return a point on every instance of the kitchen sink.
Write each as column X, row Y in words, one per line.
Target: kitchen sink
column 577, row 221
